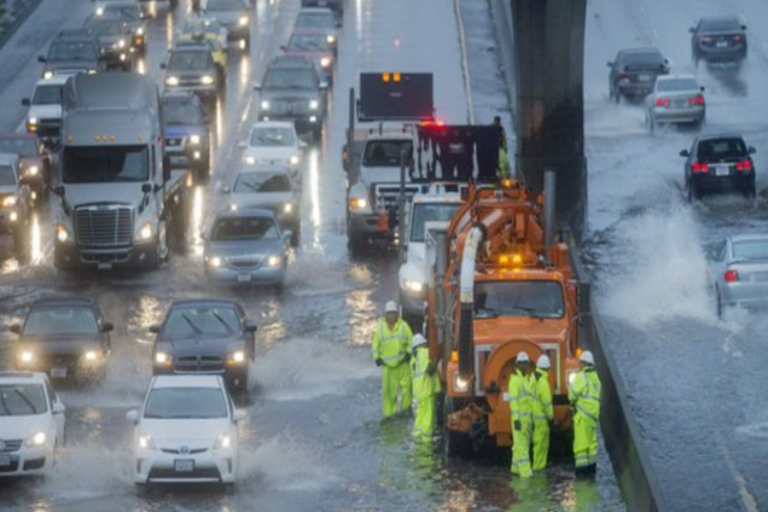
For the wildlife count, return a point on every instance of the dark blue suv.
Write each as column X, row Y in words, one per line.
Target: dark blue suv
column 187, row 141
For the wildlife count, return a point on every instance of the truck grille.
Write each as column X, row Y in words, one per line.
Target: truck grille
column 388, row 195
column 104, row 226
column 289, row 107
column 194, row 364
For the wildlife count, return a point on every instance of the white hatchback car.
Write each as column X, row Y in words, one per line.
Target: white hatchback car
column 186, row 431
column 31, row 423
column 274, row 143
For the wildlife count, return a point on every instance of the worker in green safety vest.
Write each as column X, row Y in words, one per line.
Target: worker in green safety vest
column 584, row 394
column 520, row 397
column 426, row 387
column 543, row 412
column 392, row 341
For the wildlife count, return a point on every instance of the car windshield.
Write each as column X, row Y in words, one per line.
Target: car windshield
column 423, row 213
column 650, row 58
column 21, row 146
column 719, row 149
column 47, row 95
column 272, row 137
column 95, row 164
column 386, row 153
column 189, row 322
column 100, row 27
column 677, row 85
column 750, row 250
column 290, row 79
column 244, row 228
column 61, row 320
column 538, row 299
column 316, row 20
column 7, row 177
column 720, row 25
column 309, row 43
column 185, row 114
column 22, row 400
column 225, row 5
column 128, row 12
column 205, row 26
column 61, row 51
column 189, row 61
column 262, row 182
column 185, row 403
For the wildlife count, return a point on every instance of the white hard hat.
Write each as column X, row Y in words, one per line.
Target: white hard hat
column 543, row 362
column 418, row 340
column 391, row 307
column 587, row 357
column 522, row 357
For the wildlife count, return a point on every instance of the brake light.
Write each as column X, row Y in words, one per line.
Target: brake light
column 731, row 276
column 705, row 40
column 696, row 100
column 700, row 167
column 738, row 39
column 744, row 165
column 662, row 102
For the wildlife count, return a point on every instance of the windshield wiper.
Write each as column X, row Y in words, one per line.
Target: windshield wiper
column 26, row 400
column 531, row 312
column 222, row 322
column 191, row 324
column 5, row 406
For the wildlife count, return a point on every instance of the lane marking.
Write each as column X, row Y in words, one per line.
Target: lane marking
column 747, row 499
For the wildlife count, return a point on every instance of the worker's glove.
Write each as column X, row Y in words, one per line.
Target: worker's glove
column 407, row 357
column 518, row 426
column 379, row 362
column 431, row 369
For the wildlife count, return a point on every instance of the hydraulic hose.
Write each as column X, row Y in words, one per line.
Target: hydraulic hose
column 467, row 299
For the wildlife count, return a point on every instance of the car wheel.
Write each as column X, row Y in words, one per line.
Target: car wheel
column 296, row 236
column 652, row 123
column 21, row 244
column 617, row 96
column 719, row 303
column 356, row 243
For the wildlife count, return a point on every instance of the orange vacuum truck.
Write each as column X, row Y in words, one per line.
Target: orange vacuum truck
column 498, row 287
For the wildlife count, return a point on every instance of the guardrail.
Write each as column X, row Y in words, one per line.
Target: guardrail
column 21, row 17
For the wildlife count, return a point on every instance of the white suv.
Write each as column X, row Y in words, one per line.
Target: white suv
column 186, row 431
column 31, row 423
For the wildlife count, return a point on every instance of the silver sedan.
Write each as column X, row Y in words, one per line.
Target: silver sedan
column 676, row 99
column 738, row 266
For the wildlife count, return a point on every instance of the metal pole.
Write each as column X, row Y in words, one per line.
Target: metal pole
column 351, row 126
column 401, row 205
column 550, row 192
column 441, row 267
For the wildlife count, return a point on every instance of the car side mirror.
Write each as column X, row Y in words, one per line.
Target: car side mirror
column 702, row 88
column 692, row 30
column 59, row 191
column 163, row 65
column 155, row 329
column 666, row 61
column 752, row 150
column 26, row 102
column 132, row 416
column 41, row 59
column 283, row 47
column 743, row 27
column 58, row 408
column 239, row 415
column 15, row 328
column 685, row 153
column 251, row 327
column 107, row 327
column 146, row 188
column 256, row 86
column 610, row 64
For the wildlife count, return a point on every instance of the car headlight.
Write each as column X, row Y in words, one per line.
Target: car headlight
column 36, row 440
column 314, row 105
column 26, row 356
column 146, row 442
column 120, row 44
column 172, row 81
column 233, row 207
column 325, row 62
column 206, row 80
column 330, row 39
column 100, row 11
column 215, row 262
column 460, row 384
column 33, row 170
column 91, row 71
column 62, row 235
column 146, row 231
column 295, row 160
column 222, row 442
column 162, row 358
column 413, row 286
column 48, row 75
column 274, row 261
column 288, row 208
column 237, row 357
column 264, row 105
column 194, row 140
column 358, row 203
column 9, row 202
column 140, row 31
column 91, row 355
column 243, row 21
column 32, row 121
column 14, row 216
column 250, row 160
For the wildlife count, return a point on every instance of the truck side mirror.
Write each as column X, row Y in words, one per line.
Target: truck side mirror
column 41, row 59
column 107, row 327
column 163, row 65
column 15, row 328
column 684, row 153
column 155, row 329
column 59, row 191
column 26, row 102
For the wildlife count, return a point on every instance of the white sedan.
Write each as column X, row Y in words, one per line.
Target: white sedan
column 186, row 431
column 31, row 423
column 274, row 143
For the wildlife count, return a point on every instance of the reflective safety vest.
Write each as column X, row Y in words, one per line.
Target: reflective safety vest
column 424, row 384
column 391, row 346
column 520, row 397
column 542, row 403
column 584, row 393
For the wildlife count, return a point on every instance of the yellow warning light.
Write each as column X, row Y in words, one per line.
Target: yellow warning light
column 113, row 138
column 71, row 138
column 578, row 353
column 506, row 183
column 511, row 259
column 385, row 77
column 138, row 137
column 396, row 77
column 455, row 356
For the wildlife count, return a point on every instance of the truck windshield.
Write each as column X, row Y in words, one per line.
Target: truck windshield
column 61, row 320
column 7, row 178
column 89, row 164
column 290, row 79
column 537, row 299
column 71, row 51
column 22, row 400
column 386, row 153
column 189, row 61
column 264, row 182
column 423, row 213
column 47, row 95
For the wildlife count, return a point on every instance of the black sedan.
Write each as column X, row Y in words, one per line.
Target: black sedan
column 719, row 40
column 719, row 162
column 205, row 336
column 634, row 71
column 63, row 337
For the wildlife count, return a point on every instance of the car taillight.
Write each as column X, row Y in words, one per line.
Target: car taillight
column 731, row 276
column 738, row 38
column 705, row 40
column 662, row 102
column 700, row 167
column 623, row 76
column 696, row 100
column 744, row 165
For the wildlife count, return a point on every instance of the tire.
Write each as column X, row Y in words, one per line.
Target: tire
column 652, row 125
column 457, row 444
column 617, row 97
column 296, row 236
column 750, row 190
column 719, row 303
column 357, row 244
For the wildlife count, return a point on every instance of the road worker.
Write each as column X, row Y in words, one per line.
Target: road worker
column 392, row 341
column 426, row 387
column 543, row 412
column 520, row 396
column 584, row 395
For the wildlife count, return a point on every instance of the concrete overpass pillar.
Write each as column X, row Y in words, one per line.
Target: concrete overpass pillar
column 549, row 54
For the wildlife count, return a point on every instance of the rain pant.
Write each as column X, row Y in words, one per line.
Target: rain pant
column 503, row 172
column 426, row 387
column 543, row 414
column 584, row 395
column 392, row 346
column 521, row 415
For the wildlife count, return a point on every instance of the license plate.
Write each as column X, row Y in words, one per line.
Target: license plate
column 184, row 465
column 722, row 171
column 644, row 78
column 5, row 460
column 244, row 278
column 679, row 103
column 59, row 373
column 722, row 44
column 105, row 266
